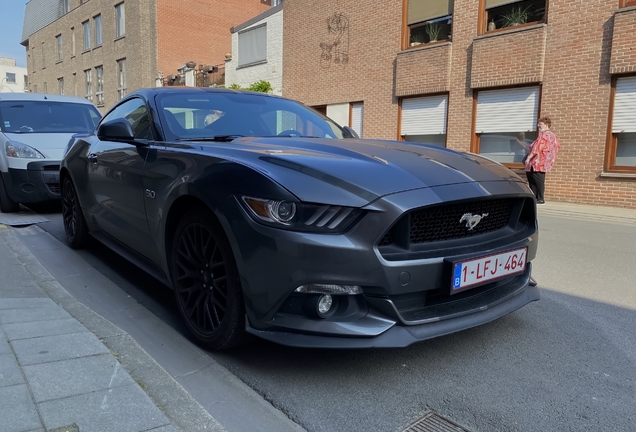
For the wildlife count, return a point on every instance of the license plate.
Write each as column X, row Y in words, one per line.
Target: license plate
column 477, row 271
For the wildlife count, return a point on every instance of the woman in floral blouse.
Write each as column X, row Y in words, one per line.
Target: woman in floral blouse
column 541, row 157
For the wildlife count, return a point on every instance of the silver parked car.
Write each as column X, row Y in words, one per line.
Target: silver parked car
column 34, row 131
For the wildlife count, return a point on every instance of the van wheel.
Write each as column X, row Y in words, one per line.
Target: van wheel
column 7, row 205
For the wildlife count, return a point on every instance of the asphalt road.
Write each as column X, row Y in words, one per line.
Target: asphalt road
column 565, row 363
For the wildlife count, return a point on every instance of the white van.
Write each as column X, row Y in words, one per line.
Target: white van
column 34, row 131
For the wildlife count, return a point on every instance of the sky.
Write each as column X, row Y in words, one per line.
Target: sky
column 11, row 17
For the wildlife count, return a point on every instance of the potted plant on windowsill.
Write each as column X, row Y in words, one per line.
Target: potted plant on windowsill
column 416, row 38
column 433, row 30
column 516, row 16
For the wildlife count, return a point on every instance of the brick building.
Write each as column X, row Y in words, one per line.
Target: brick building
column 104, row 49
column 474, row 75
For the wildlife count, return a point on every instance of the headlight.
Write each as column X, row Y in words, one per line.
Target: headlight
column 301, row 216
column 21, row 150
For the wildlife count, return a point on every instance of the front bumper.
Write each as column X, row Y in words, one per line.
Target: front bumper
column 40, row 182
column 404, row 300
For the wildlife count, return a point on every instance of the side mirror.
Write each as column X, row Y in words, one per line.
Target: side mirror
column 350, row 133
column 116, row 130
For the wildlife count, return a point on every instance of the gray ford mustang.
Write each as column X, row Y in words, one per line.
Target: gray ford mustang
column 267, row 218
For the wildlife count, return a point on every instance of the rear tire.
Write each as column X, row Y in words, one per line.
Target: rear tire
column 206, row 281
column 73, row 217
column 7, row 205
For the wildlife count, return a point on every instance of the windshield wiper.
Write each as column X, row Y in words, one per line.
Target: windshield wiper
column 217, row 138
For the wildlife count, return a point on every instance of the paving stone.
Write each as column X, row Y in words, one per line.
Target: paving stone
column 9, row 316
column 119, row 409
column 5, row 348
column 59, row 347
column 25, row 303
column 18, row 412
column 42, row 328
column 169, row 428
column 9, row 371
column 66, row 378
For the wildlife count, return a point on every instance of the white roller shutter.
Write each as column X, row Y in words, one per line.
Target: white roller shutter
column 424, row 116
column 357, row 114
column 508, row 110
column 339, row 113
column 625, row 106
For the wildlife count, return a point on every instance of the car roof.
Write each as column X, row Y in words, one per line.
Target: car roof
column 42, row 97
column 182, row 89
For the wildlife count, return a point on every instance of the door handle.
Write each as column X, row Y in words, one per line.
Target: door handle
column 92, row 157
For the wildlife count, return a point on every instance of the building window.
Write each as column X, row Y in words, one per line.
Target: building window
column 58, row 40
column 43, row 57
column 252, row 45
column 60, row 86
column 45, row 89
column 506, row 123
column 89, row 84
column 499, row 14
column 428, row 21
column 121, row 78
column 99, row 71
column 10, row 78
column 87, row 35
column 424, row 120
column 357, row 118
column 73, row 41
column 627, row 3
column 120, row 20
column 65, row 6
column 621, row 146
column 26, row 83
column 97, row 20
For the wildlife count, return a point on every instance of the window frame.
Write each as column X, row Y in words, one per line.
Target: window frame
column 120, row 20
column 609, row 164
column 60, row 86
column 58, row 43
column 476, row 138
column 88, row 81
column 400, row 136
column 14, row 81
column 86, row 29
column 121, row 78
column 406, row 28
column 73, row 46
column 627, row 3
column 99, row 89
column 97, row 21
column 259, row 60
column 483, row 19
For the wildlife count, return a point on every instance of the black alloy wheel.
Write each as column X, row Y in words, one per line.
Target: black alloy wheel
column 74, row 223
column 206, row 282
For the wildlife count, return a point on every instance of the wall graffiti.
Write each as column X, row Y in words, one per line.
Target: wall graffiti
column 336, row 50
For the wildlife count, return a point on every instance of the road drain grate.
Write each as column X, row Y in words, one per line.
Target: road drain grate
column 433, row 422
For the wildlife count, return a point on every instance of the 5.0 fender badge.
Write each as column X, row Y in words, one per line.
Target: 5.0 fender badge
column 472, row 220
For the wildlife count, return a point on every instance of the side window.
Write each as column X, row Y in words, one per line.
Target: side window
column 135, row 112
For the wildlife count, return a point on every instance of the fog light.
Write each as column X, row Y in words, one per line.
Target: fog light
column 324, row 305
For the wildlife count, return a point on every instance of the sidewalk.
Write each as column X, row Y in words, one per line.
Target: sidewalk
column 65, row 368
column 588, row 212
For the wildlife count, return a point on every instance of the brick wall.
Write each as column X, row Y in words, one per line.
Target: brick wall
column 137, row 47
column 199, row 30
column 570, row 57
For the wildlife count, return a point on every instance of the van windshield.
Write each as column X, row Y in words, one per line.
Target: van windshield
column 47, row 117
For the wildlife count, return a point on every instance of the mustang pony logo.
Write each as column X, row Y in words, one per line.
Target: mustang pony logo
column 472, row 220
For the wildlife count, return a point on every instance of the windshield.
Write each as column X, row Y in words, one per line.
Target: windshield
column 47, row 117
column 207, row 115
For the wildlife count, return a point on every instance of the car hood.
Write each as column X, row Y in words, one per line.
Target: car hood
column 51, row 145
column 356, row 172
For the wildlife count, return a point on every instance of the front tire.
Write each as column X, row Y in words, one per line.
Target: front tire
column 7, row 205
column 73, row 217
column 206, row 281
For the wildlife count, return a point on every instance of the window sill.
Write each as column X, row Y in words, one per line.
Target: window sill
column 619, row 175
column 73, row 56
column 86, row 51
column 119, row 38
column 58, row 62
column 626, row 9
column 97, row 46
column 251, row 64
column 426, row 46
column 508, row 30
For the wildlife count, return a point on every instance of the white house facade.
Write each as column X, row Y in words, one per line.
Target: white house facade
column 257, row 51
column 12, row 77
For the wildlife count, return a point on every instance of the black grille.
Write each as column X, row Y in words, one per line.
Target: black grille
column 54, row 187
column 445, row 222
column 387, row 239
